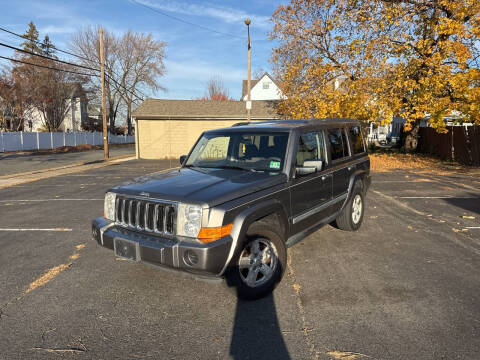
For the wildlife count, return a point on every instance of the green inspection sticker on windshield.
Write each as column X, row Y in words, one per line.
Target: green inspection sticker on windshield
column 274, row 164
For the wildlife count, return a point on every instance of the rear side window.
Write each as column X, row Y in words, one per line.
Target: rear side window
column 338, row 143
column 356, row 140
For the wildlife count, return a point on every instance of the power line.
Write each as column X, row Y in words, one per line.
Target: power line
column 191, row 23
column 66, row 71
column 46, row 67
column 40, row 43
column 71, row 64
column 67, row 63
column 185, row 21
column 48, row 58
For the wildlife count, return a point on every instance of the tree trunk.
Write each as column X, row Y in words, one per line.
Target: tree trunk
column 129, row 118
column 411, row 140
column 111, row 117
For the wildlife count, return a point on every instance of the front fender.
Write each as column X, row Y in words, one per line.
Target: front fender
column 248, row 216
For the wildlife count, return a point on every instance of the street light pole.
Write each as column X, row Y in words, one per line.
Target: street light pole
column 249, row 102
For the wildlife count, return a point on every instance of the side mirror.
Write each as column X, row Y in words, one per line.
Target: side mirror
column 309, row 167
column 182, row 159
column 318, row 164
column 305, row 170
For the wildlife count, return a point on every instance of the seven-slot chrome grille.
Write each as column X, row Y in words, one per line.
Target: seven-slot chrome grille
column 146, row 215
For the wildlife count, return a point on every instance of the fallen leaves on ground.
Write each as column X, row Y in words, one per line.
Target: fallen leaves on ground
column 395, row 161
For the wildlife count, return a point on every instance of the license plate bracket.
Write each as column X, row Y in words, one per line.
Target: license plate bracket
column 126, row 249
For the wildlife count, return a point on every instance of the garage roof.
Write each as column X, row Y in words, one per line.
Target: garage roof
column 208, row 109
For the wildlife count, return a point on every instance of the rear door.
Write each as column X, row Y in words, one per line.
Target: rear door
column 340, row 166
column 309, row 193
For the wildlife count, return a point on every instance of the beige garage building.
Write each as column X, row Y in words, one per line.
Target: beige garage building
column 166, row 129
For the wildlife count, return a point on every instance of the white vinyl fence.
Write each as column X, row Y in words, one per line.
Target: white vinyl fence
column 17, row 141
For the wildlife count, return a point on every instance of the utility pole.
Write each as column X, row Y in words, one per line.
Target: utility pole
column 104, row 103
column 249, row 102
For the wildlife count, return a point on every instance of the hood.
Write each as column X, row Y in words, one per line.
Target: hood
column 209, row 187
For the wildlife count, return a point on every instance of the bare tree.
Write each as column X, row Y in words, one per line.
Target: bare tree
column 258, row 73
column 133, row 61
column 141, row 65
column 86, row 45
column 216, row 90
column 49, row 90
column 37, row 85
column 15, row 104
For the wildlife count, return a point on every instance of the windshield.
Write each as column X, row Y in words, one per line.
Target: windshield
column 245, row 151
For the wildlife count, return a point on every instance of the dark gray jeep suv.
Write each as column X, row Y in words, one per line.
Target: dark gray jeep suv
column 240, row 198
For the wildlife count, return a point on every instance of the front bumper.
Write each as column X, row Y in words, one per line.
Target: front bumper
column 199, row 259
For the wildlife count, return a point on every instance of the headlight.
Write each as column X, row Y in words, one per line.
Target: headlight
column 109, row 206
column 189, row 220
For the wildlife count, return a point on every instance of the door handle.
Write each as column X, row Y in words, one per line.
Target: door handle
column 350, row 168
column 324, row 177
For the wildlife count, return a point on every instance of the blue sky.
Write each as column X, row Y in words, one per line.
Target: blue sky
column 194, row 55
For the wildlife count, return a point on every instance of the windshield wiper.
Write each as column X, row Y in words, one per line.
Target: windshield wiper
column 234, row 167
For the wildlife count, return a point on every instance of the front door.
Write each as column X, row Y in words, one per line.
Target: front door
column 310, row 193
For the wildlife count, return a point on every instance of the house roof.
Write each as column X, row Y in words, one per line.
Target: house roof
column 253, row 83
column 204, row 109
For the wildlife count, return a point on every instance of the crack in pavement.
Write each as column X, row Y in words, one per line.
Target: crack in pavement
column 315, row 354
column 296, row 286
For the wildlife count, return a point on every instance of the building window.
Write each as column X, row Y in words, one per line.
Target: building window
column 266, row 85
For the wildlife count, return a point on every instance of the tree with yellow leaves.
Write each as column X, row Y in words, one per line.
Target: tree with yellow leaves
column 376, row 59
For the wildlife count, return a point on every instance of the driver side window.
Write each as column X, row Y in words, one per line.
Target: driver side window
column 310, row 147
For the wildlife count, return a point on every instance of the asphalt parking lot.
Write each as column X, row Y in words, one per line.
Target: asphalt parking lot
column 14, row 163
column 405, row 286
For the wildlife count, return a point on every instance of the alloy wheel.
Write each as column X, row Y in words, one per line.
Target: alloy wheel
column 257, row 262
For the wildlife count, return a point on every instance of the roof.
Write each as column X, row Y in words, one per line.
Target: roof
column 254, row 82
column 286, row 124
column 204, row 109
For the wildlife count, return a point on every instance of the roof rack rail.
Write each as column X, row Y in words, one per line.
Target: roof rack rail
column 242, row 123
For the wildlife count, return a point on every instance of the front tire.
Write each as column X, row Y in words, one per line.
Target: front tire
column 259, row 264
column 351, row 217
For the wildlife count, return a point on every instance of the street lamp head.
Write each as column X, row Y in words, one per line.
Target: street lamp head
column 247, row 21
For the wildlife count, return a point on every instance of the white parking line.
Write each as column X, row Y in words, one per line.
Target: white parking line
column 399, row 203
column 48, row 185
column 53, row 229
column 40, row 200
column 400, row 181
column 438, row 197
column 472, row 227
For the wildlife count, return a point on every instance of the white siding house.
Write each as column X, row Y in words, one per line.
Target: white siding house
column 264, row 88
column 74, row 118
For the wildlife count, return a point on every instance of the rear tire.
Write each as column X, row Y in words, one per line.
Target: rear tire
column 259, row 263
column 351, row 216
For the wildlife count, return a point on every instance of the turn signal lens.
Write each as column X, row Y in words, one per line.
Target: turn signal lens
column 207, row 235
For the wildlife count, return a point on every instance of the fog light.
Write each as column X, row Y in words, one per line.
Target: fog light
column 190, row 258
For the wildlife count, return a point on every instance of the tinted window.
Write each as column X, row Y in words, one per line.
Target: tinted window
column 310, row 147
column 357, row 140
column 338, row 144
